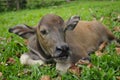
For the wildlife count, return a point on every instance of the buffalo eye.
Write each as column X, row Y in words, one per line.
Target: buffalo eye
column 44, row 32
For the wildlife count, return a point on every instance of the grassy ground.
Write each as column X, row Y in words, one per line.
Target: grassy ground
column 106, row 67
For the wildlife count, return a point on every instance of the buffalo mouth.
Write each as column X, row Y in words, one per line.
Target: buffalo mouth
column 61, row 54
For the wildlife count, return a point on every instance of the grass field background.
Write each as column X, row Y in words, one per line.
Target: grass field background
column 106, row 67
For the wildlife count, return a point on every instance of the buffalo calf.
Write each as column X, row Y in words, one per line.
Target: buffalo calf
column 64, row 43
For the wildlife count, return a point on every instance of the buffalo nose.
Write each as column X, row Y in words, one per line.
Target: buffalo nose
column 61, row 51
column 62, row 48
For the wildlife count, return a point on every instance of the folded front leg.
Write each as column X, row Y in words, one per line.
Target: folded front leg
column 25, row 59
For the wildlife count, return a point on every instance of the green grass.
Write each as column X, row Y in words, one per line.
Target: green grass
column 12, row 45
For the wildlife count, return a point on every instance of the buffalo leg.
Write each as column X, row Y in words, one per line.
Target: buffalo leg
column 25, row 59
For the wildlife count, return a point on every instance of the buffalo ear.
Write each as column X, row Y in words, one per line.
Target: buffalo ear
column 72, row 22
column 23, row 30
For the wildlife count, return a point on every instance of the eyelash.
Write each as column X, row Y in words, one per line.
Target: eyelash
column 44, row 32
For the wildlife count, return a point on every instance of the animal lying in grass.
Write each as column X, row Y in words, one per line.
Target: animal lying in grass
column 64, row 43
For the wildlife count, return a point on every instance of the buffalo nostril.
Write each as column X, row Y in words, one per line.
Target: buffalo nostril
column 62, row 48
column 65, row 48
column 58, row 48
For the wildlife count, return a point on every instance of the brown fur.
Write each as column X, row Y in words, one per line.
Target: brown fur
column 86, row 38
